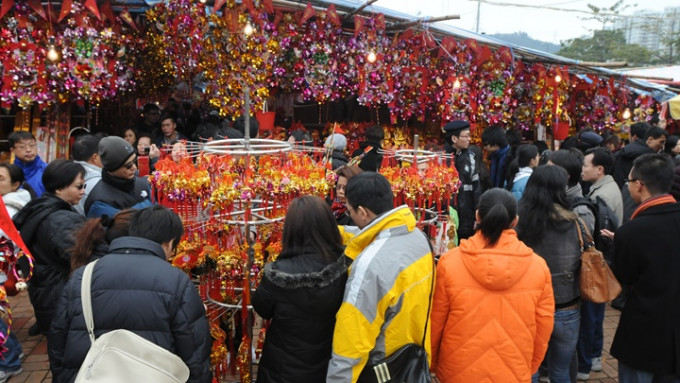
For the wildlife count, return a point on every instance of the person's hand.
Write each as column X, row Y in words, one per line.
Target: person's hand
column 154, row 151
column 607, row 233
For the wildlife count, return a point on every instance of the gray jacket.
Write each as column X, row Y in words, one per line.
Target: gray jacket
column 607, row 189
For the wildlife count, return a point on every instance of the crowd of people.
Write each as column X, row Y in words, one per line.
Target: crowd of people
column 356, row 279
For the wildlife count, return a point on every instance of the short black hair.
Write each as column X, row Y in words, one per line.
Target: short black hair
column 240, row 125
column 655, row 171
column 570, row 160
column 370, row 190
column 168, row 116
column 602, row 157
column 60, row 173
column 671, row 142
column 157, row 223
column 495, row 135
column 655, row 132
column 374, row 133
column 15, row 137
column 16, row 173
column 149, row 107
column 638, row 129
column 85, row 147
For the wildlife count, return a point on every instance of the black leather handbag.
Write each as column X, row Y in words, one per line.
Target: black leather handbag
column 407, row 364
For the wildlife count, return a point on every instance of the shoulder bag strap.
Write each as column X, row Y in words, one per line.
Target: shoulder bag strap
column 429, row 302
column 86, row 298
column 584, row 237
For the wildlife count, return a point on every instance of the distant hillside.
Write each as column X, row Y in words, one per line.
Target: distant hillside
column 521, row 38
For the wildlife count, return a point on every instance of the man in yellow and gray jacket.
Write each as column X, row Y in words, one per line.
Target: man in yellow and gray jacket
column 388, row 291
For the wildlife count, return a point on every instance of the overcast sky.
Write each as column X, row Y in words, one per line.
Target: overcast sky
column 542, row 24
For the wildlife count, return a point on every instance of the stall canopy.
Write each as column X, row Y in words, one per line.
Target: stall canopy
column 659, row 92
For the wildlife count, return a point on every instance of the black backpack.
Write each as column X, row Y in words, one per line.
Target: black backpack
column 605, row 218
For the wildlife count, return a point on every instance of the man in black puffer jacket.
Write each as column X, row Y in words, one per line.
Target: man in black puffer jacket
column 119, row 188
column 135, row 288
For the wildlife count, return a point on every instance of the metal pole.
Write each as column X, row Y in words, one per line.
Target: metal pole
column 415, row 150
column 246, row 114
column 479, row 6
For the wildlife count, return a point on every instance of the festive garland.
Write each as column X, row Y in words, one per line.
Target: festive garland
column 96, row 63
column 233, row 62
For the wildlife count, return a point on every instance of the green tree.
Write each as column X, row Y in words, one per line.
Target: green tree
column 608, row 15
column 604, row 46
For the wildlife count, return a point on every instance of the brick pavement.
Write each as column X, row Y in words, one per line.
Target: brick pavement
column 36, row 364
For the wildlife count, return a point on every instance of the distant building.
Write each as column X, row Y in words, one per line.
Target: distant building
column 648, row 28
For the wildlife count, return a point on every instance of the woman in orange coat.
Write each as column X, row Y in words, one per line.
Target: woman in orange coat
column 493, row 307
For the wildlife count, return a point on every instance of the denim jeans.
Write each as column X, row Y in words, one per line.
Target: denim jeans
column 562, row 346
column 590, row 335
column 10, row 359
column 630, row 375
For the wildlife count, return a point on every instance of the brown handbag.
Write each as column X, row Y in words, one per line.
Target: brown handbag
column 598, row 283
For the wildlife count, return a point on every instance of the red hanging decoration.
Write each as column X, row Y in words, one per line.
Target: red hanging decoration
column 6, row 6
column 91, row 5
column 65, row 10
column 307, row 14
column 36, row 5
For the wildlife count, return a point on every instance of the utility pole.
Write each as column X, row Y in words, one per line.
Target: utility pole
column 479, row 6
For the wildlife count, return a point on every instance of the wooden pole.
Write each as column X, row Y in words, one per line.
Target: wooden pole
column 357, row 10
column 613, row 64
column 406, row 24
column 645, row 77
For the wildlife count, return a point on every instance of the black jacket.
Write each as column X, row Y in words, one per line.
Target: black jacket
column 301, row 295
column 47, row 225
column 133, row 288
column 624, row 160
column 338, row 159
column 647, row 259
column 467, row 199
column 372, row 160
column 117, row 194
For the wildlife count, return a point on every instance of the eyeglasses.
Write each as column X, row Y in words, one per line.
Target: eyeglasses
column 81, row 187
column 24, row 147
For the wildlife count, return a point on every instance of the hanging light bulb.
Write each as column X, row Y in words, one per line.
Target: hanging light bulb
column 626, row 114
column 456, row 84
column 371, row 57
column 248, row 29
column 202, row 1
column 52, row 53
column 558, row 78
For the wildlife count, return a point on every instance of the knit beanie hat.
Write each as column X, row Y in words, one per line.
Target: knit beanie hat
column 114, row 151
column 339, row 141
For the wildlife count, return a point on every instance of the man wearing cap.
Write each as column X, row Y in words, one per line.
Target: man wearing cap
column 457, row 141
column 119, row 188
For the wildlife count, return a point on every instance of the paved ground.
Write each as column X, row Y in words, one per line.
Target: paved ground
column 36, row 364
